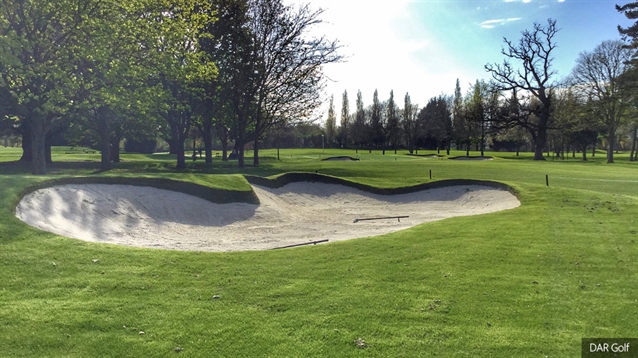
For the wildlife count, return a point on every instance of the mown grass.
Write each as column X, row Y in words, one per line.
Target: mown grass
column 527, row 282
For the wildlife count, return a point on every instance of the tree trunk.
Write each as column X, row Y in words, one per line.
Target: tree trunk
column 172, row 145
column 38, row 162
column 611, row 138
column 633, row 157
column 180, row 124
column 27, row 143
column 584, row 153
column 224, row 141
column 115, row 149
column 240, row 153
column 256, row 152
column 181, row 153
column 105, row 138
column 207, row 137
column 47, row 149
column 539, row 145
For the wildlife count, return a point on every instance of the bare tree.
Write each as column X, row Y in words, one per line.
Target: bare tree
column 534, row 51
column 597, row 76
column 290, row 65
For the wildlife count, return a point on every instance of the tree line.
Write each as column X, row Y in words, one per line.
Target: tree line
column 523, row 105
column 244, row 73
column 106, row 69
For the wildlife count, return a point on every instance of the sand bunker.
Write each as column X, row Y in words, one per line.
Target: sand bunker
column 342, row 157
column 295, row 213
column 472, row 158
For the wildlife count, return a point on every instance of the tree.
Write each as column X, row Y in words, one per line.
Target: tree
column 229, row 47
column 392, row 124
column 180, row 67
column 630, row 10
column 331, row 121
column 40, row 47
column 410, row 124
column 345, row 120
column 478, row 113
column 289, row 65
column 232, row 48
column 114, row 92
column 534, row 50
column 597, row 76
column 377, row 131
column 359, row 126
column 630, row 80
column 436, row 118
column 460, row 123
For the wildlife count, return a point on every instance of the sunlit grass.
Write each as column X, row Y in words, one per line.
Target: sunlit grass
column 527, row 282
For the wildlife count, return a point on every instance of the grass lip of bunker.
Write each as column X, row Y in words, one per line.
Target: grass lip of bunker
column 294, row 208
column 341, row 157
column 465, row 157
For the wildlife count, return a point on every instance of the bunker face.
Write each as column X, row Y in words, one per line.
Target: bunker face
column 296, row 213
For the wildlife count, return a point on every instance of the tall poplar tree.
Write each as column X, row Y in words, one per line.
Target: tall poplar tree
column 392, row 122
column 359, row 132
column 331, row 123
column 345, row 120
column 376, row 122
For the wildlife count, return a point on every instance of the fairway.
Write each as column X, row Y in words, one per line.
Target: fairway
column 525, row 282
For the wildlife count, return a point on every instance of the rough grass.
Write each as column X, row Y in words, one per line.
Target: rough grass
column 527, row 282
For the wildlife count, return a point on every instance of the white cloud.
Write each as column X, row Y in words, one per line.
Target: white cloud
column 490, row 24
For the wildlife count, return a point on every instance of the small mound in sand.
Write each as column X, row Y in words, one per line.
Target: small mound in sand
column 342, row 157
column 471, row 158
column 295, row 213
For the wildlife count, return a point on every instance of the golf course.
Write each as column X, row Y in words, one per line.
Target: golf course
column 529, row 279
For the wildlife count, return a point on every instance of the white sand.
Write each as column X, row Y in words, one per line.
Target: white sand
column 296, row 213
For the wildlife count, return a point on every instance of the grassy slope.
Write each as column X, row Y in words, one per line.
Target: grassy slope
column 559, row 268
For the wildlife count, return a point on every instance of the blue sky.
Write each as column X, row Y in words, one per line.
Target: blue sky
column 422, row 47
